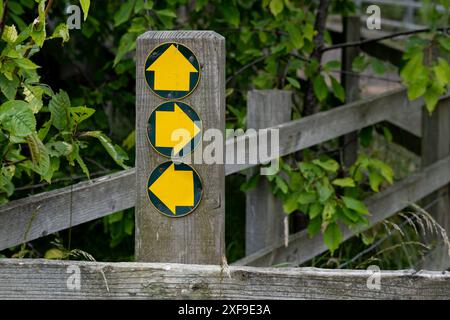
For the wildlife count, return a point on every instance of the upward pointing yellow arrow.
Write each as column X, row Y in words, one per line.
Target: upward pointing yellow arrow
column 174, row 188
column 172, row 71
column 167, row 122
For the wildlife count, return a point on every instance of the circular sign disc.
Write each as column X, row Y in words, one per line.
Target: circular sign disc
column 172, row 71
column 175, row 189
column 174, row 129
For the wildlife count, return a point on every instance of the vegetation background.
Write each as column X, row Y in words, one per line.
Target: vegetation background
column 67, row 113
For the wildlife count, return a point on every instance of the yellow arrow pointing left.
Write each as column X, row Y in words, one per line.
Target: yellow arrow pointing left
column 174, row 129
column 174, row 188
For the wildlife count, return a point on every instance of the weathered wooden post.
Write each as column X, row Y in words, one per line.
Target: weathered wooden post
column 435, row 146
column 180, row 208
column 350, row 82
column 264, row 213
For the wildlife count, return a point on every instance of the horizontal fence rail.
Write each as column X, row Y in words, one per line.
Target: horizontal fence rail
column 44, row 279
column 320, row 127
column 42, row 214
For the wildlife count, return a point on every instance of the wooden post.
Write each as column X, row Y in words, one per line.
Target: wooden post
column 350, row 82
column 197, row 238
column 264, row 212
column 436, row 146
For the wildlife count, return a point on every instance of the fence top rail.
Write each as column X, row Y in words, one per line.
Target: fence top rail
column 305, row 132
column 44, row 279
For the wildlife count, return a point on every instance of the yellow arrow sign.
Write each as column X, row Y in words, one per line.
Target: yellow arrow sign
column 174, row 129
column 172, row 70
column 174, row 188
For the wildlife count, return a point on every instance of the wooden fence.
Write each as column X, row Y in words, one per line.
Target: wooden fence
column 39, row 215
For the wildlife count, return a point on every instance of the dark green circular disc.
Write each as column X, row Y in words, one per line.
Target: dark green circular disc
column 172, row 71
column 174, row 189
column 174, row 129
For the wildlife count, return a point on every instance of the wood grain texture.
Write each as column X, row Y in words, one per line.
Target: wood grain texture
column 320, row 127
column 435, row 146
column 198, row 237
column 264, row 212
column 44, row 279
column 42, row 214
column 381, row 206
column 350, row 82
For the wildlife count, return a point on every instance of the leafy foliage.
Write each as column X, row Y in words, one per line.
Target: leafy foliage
column 268, row 43
column 315, row 189
column 36, row 135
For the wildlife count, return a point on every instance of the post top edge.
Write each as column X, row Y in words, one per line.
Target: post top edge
column 180, row 34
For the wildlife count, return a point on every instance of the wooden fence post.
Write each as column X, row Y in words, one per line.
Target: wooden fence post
column 436, row 146
column 264, row 213
column 350, row 82
column 197, row 238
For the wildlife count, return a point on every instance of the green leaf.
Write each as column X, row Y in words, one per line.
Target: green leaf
column 82, row 113
column 445, row 43
column 378, row 66
column 6, row 185
column 329, row 165
column 166, row 13
column 290, row 204
column 115, row 151
column 82, row 165
column 308, row 31
column 307, row 197
column 126, row 44
column 85, row 4
column 295, row 36
column 355, row 204
column 33, row 95
column 42, row 133
column 26, row 64
column 130, row 140
column 375, row 179
column 352, row 215
column 39, row 154
column 124, row 12
column 320, row 88
column 344, row 182
column 314, row 226
column 310, row 170
column 59, row 148
column 276, row 7
column 115, row 217
column 332, row 237
column 338, row 90
column 281, row 184
column 324, row 189
column 61, row 31
column 385, row 170
column 329, row 210
column 38, row 32
column 59, row 107
column 293, row 82
column 315, row 209
column 9, row 87
column 54, row 254
column 432, row 95
column 332, row 65
column 17, row 118
column 359, row 64
column 54, row 167
column 231, row 14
